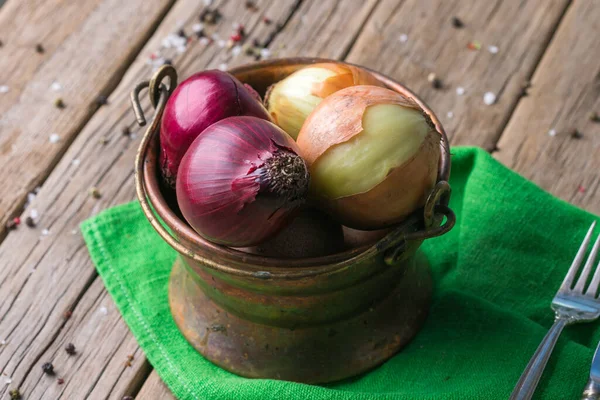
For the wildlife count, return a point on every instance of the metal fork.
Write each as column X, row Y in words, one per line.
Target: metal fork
column 570, row 305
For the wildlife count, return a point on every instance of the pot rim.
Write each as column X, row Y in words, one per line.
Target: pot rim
column 293, row 268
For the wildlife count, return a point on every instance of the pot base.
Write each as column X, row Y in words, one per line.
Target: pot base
column 316, row 354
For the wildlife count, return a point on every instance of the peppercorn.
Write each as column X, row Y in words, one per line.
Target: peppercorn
column 267, row 21
column 10, row 225
column 125, row 131
column 59, row 103
column 1, row 43
column 39, row 48
column 181, row 33
column 95, row 192
column 210, row 16
column 70, row 349
column 30, row 222
column 457, row 23
column 48, row 368
column 168, row 61
column 251, row 6
column 15, row 394
column 101, row 100
column 576, row 134
column 594, row 117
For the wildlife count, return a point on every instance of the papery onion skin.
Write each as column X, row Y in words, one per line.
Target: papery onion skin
column 404, row 187
column 241, row 181
column 292, row 99
column 198, row 102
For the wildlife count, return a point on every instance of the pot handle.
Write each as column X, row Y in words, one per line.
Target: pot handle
column 435, row 210
column 159, row 94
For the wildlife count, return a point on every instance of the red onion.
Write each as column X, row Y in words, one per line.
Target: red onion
column 198, row 102
column 240, row 181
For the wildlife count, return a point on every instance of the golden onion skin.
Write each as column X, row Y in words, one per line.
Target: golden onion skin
column 404, row 187
column 291, row 100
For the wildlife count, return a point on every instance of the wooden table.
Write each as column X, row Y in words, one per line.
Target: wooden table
column 540, row 58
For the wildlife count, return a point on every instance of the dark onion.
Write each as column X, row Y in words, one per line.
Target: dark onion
column 312, row 233
column 198, row 102
column 241, row 181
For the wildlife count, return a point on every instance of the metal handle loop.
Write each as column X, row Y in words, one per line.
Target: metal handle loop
column 155, row 89
column 397, row 242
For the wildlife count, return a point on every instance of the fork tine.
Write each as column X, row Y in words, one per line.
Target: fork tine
column 568, row 282
column 593, row 288
column 580, row 286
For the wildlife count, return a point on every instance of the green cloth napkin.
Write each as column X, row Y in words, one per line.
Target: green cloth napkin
column 495, row 275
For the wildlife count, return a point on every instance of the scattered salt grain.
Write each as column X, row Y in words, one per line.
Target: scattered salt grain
column 223, row 67
column 450, row 114
column 204, row 41
column 7, row 381
column 34, row 213
column 552, row 132
column 45, row 232
column 197, row 28
column 489, row 98
column 30, row 197
column 75, row 162
column 54, row 138
column 104, row 310
column 2, row 342
column 4, row 89
column 180, row 50
column 221, row 43
column 403, row 38
column 265, row 53
column 56, row 86
column 208, row 3
column 460, row 90
column 236, row 50
column 74, row 232
column 493, row 49
column 174, row 40
column 215, row 36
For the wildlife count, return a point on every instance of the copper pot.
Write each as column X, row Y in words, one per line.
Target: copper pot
column 309, row 320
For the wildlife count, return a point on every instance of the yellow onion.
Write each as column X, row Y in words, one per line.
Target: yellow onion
column 292, row 99
column 373, row 156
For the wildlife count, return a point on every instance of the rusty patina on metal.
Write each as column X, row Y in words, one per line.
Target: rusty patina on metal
column 308, row 320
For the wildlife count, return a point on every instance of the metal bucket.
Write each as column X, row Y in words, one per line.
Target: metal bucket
column 310, row 320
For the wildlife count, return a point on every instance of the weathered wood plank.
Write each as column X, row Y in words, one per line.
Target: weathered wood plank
column 322, row 29
column 410, row 39
column 565, row 91
column 87, row 45
column 155, row 389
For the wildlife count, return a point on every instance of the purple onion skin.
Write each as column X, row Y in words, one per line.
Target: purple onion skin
column 198, row 102
column 241, row 181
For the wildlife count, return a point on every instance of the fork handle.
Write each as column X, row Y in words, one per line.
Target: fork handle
column 591, row 391
column 533, row 372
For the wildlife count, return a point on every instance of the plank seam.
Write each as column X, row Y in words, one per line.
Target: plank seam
column 509, row 115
